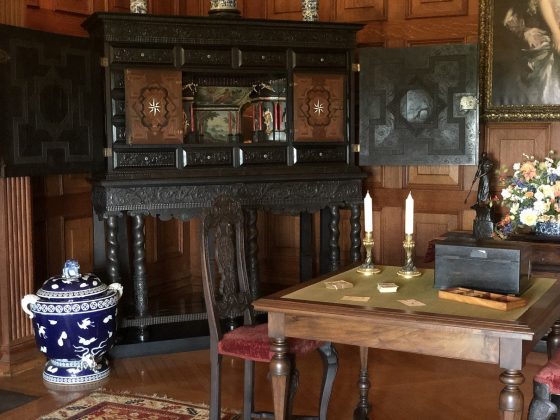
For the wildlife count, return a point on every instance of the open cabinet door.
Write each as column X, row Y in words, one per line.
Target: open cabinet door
column 50, row 103
column 419, row 106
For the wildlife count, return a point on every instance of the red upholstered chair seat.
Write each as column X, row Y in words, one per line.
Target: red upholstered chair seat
column 550, row 374
column 252, row 343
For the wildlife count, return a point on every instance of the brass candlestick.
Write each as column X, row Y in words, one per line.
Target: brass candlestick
column 408, row 270
column 367, row 268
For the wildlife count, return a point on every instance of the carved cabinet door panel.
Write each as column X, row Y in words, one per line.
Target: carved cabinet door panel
column 419, row 105
column 319, row 113
column 50, row 102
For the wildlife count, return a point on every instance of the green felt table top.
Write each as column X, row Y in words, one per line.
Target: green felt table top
column 419, row 288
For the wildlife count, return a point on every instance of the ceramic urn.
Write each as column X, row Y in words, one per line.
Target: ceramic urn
column 74, row 319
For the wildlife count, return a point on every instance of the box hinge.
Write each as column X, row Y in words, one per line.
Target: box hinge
column 356, row 148
column 104, row 61
column 107, row 152
column 356, row 67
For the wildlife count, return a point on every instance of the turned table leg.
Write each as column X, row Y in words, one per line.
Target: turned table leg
column 553, row 339
column 363, row 408
column 511, row 397
column 280, row 375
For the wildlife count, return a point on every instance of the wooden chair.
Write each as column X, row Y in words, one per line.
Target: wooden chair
column 228, row 298
column 546, row 390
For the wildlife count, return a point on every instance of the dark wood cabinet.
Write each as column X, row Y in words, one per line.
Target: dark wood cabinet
column 267, row 111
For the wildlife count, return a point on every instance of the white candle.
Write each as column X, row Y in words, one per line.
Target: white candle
column 368, row 213
column 409, row 215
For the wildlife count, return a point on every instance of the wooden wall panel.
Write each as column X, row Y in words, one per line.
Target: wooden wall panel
column 391, row 235
column 78, row 241
column 284, row 9
column 282, row 248
column 399, row 30
column 506, row 143
column 431, row 8
column 361, row 10
column 168, row 265
column 437, row 176
column 428, row 226
column 17, row 348
column 62, row 217
column 74, row 6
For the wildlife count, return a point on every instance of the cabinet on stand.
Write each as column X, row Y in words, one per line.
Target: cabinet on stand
column 196, row 107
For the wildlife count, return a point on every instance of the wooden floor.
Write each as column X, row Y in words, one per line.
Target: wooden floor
column 404, row 386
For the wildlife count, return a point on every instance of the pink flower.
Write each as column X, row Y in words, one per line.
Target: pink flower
column 528, row 170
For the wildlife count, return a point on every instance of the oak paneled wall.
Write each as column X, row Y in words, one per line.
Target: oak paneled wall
column 62, row 219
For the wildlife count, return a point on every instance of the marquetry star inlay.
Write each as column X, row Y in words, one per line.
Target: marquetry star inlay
column 318, row 107
column 154, row 107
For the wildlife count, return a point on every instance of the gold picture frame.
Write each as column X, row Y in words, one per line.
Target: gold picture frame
column 515, row 58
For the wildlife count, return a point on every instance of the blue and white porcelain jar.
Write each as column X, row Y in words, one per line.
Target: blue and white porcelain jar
column 74, row 318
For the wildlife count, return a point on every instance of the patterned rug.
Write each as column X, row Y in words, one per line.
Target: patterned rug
column 105, row 405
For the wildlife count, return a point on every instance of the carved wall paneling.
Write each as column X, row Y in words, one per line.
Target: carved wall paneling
column 428, row 226
column 72, row 6
column 392, row 234
column 466, row 219
column 63, row 212
column 397, row 27
column 425, row 42
column 506, row 142
column 392, row 176
column 78, row 237
column 119, row 6
column 12, row 12
column 431, row 8
column 17, row 347
column 282, row 248
column 284, row 9
column 361, row 10
column 438, row 176
column 168, row 264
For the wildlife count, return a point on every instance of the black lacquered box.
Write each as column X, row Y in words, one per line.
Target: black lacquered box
column 493, row 266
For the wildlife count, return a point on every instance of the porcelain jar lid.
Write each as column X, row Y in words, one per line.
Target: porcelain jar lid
column 71, row 284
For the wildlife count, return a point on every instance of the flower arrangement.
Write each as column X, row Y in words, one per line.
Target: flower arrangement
column 531, row 194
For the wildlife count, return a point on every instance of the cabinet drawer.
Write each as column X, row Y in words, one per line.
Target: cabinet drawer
column 262, row 155
column 330, row 60
column 319, row 154
column 145, row 159
column 208, row 157
column 206, row 58
column 262, row 58
column 141, row 55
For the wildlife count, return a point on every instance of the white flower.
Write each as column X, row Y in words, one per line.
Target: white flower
column 548, row 191
column 506, row 193
column 516, row 166
column 539, row 196
column 514, row 208
column 541, row 207
column 528, row 217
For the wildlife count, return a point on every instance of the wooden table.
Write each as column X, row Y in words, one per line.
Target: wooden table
column 440, row 328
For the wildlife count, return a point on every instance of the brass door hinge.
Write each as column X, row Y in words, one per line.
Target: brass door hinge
column 356, row 67
column 356, row 148
column 107, row 152
column 104, row 61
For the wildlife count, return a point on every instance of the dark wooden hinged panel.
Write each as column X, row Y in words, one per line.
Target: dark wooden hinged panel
column 419, row 106
column 50, row 102
column 319, row 113
column 154, row 114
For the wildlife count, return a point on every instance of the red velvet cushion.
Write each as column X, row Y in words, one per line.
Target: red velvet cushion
column 550, row 374
column 253, row 343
